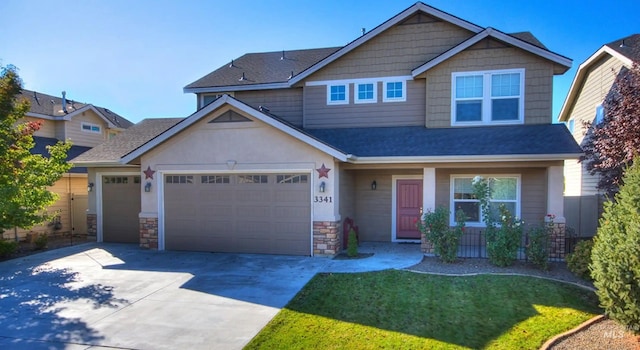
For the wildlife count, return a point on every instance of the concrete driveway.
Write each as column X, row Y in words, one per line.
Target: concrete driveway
column 98, row 295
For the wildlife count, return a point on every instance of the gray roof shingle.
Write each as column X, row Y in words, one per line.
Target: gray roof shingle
column 128, row 140
column 628, row 46
column 41, row 144
column 263, row 68
column 419, row 141
column 52, row 106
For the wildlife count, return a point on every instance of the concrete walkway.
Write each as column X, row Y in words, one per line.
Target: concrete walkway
column 97, row 295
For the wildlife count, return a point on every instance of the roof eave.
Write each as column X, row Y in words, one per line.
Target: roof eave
column 580, row 74
column 229, row 88
column 463, row 158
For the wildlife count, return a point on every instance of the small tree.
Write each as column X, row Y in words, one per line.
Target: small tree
column 615, row 266
column 352, row 244
column 24, row 177
column 611, row 144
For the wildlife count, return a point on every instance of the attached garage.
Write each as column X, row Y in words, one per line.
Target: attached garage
column 120, row 208
column 239, row 213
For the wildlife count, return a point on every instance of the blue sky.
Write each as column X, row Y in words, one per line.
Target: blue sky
column 135, row 56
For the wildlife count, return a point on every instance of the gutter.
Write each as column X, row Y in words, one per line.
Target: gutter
column 460, row 159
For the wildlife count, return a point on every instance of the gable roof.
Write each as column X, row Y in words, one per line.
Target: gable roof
column 489, row 32
column 626, row 50
column 417, row 143
column 41, row 144
column 50, row 107
column 268, row 71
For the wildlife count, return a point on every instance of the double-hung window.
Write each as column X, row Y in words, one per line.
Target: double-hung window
column 491, row 97
column 338, row 94
column 599, row 114
column 505, row 191
column 366, row 92
column 394, row 91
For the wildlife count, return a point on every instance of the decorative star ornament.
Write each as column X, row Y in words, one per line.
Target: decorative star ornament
column 323, row 171
column 148, row 174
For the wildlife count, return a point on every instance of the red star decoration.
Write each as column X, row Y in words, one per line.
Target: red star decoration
column 323, row 171
column 148, row 174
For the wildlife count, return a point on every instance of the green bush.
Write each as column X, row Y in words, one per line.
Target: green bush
column 615, row 265
column 352, row 244
column 435, row 226
column 7, row 248
column 504, row 240
column 538, row 246
column 39, row 240
column 578, row 262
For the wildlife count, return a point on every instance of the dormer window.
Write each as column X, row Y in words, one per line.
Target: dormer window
column 490, row 97
column 88, row 127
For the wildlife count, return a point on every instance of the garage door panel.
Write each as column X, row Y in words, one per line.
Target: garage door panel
column 249, row 213
column 120, row 209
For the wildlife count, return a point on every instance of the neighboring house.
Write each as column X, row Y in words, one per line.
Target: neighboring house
column 86, row 126
column 591, row 85
column 286, row 145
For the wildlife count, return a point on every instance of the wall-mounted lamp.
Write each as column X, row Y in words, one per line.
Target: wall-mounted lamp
column 322, row 187
column 90, row 187
column 374, row 185
column 147, row 187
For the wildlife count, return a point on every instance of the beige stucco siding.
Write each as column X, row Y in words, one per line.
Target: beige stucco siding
column 347, row 195
column 405, row 113
column 395, row 52
column 79, row 137
column 489, row 55
column 47, row 128
column 284, row 103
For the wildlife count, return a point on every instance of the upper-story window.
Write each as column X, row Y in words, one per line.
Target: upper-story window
column 490, row 97
column 394, row 91
column 366, row 92
column 570, row 125
column 88, row 127
column 599, row 114
column 337, row 94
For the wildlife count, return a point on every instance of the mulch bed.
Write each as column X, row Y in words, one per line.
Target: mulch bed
column 26, row 248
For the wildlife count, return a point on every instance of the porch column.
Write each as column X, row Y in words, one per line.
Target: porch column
column 555, row 197
column 429, row 189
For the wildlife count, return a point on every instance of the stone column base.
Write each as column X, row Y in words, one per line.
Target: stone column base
column 149, row 233
column 92, row 225
column 557, row 240
column 426, row 246
column 326, row 238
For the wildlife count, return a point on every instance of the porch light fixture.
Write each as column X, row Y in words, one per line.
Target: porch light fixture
column 374, row 185
column 322, row 187
column 90, row 187
column 147, row 187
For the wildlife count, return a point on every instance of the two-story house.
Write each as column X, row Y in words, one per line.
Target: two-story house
column 584, row 103
column 86, row 126
column 285, row 145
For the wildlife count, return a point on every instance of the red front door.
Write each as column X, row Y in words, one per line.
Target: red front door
column 408, row 208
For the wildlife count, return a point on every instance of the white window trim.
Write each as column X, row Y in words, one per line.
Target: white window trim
column 91, row 126
column 518, row 201
column 394, row 99
column 486, row 97
column 356, row 92
column 346, row 94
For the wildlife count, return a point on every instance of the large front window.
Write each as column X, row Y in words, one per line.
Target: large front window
column 488, row 97
column 505, row 191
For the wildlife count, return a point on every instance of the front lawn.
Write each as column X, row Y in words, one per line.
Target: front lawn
column 406, row 310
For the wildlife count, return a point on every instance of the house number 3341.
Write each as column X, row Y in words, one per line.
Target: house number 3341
column 321, row 199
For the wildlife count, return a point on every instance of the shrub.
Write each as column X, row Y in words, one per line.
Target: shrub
column 538, row 246
column 7, row 248
column 578, row 262
column 435, row 226
column 352, row 244
column 503, row 241
column 39, row 240
column 615, row 265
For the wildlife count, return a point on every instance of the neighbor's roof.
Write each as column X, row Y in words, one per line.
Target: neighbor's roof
column 111, row 151
column 41, row 144
column 282, row 69
column 43, row 105
column 418, row 141
column 626, row 50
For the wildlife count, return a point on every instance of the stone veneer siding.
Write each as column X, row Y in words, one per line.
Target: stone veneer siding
column 557, row 241
column 326, row 238
column 149, row 233
column 92, row 225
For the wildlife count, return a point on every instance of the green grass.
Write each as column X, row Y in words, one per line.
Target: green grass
column 405, row 310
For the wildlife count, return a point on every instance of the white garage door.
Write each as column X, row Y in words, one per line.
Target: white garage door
column 120, row 209
column 240, row 213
